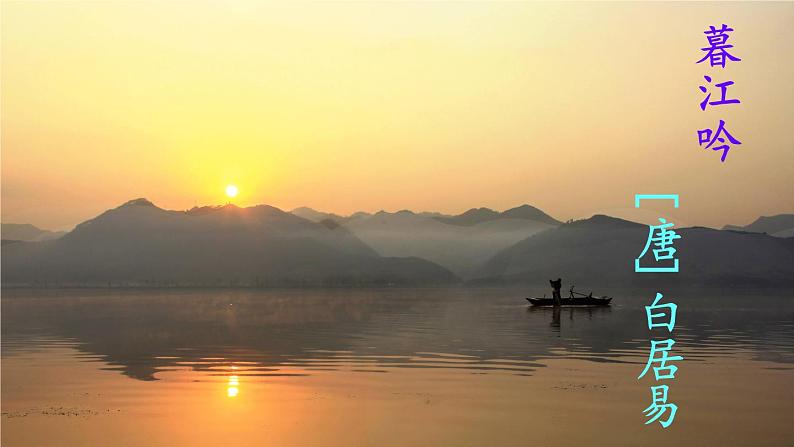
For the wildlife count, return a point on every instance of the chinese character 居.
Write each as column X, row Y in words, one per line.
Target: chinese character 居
column 663, row 371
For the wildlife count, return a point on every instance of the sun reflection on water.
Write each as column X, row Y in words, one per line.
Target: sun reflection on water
column 233, row 386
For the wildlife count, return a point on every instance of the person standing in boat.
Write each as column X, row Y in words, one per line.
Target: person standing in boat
column 556, row 286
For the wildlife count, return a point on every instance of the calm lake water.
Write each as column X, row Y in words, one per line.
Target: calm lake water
column 397, row 367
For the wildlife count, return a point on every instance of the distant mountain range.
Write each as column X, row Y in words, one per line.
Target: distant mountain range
column 317, row 216
column 477, row 216
column 460, row 243
column 27, row 232
column 601, row 251
column 139, row 244
column 781, row 225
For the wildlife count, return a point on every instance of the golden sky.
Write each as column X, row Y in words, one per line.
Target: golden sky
column 571, row 107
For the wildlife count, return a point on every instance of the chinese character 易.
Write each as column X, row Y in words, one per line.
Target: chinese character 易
column 659, row 407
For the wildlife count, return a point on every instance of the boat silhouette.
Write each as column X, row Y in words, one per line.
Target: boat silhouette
column 573, row 300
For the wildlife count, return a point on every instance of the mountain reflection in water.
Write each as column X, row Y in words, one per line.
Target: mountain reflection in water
column 141, row 333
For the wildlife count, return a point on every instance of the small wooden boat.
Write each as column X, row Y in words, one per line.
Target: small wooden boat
column 584, row 301
column 581, row 300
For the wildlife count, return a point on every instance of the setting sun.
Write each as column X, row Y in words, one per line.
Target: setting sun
column 231, row 191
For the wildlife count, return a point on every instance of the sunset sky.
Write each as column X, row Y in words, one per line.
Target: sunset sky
column 343, row 107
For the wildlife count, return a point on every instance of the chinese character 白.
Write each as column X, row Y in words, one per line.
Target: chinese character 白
column 664, row 310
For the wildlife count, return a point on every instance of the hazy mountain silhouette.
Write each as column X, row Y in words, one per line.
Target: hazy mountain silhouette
column 460, row 243
column 781, row 225
column 458, row 247
column 27, row 232
column 320, row 216
column 476, row 216
column 141, row 244
column 600, row 252
column 316, row 216
column 470, row 217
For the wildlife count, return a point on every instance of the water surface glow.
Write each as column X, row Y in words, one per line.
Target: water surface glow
column 85, row 366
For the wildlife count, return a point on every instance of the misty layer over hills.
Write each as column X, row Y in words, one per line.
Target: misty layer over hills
column 139, row 244
column 27, row 232
column 781, row 225
column 460, row 243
